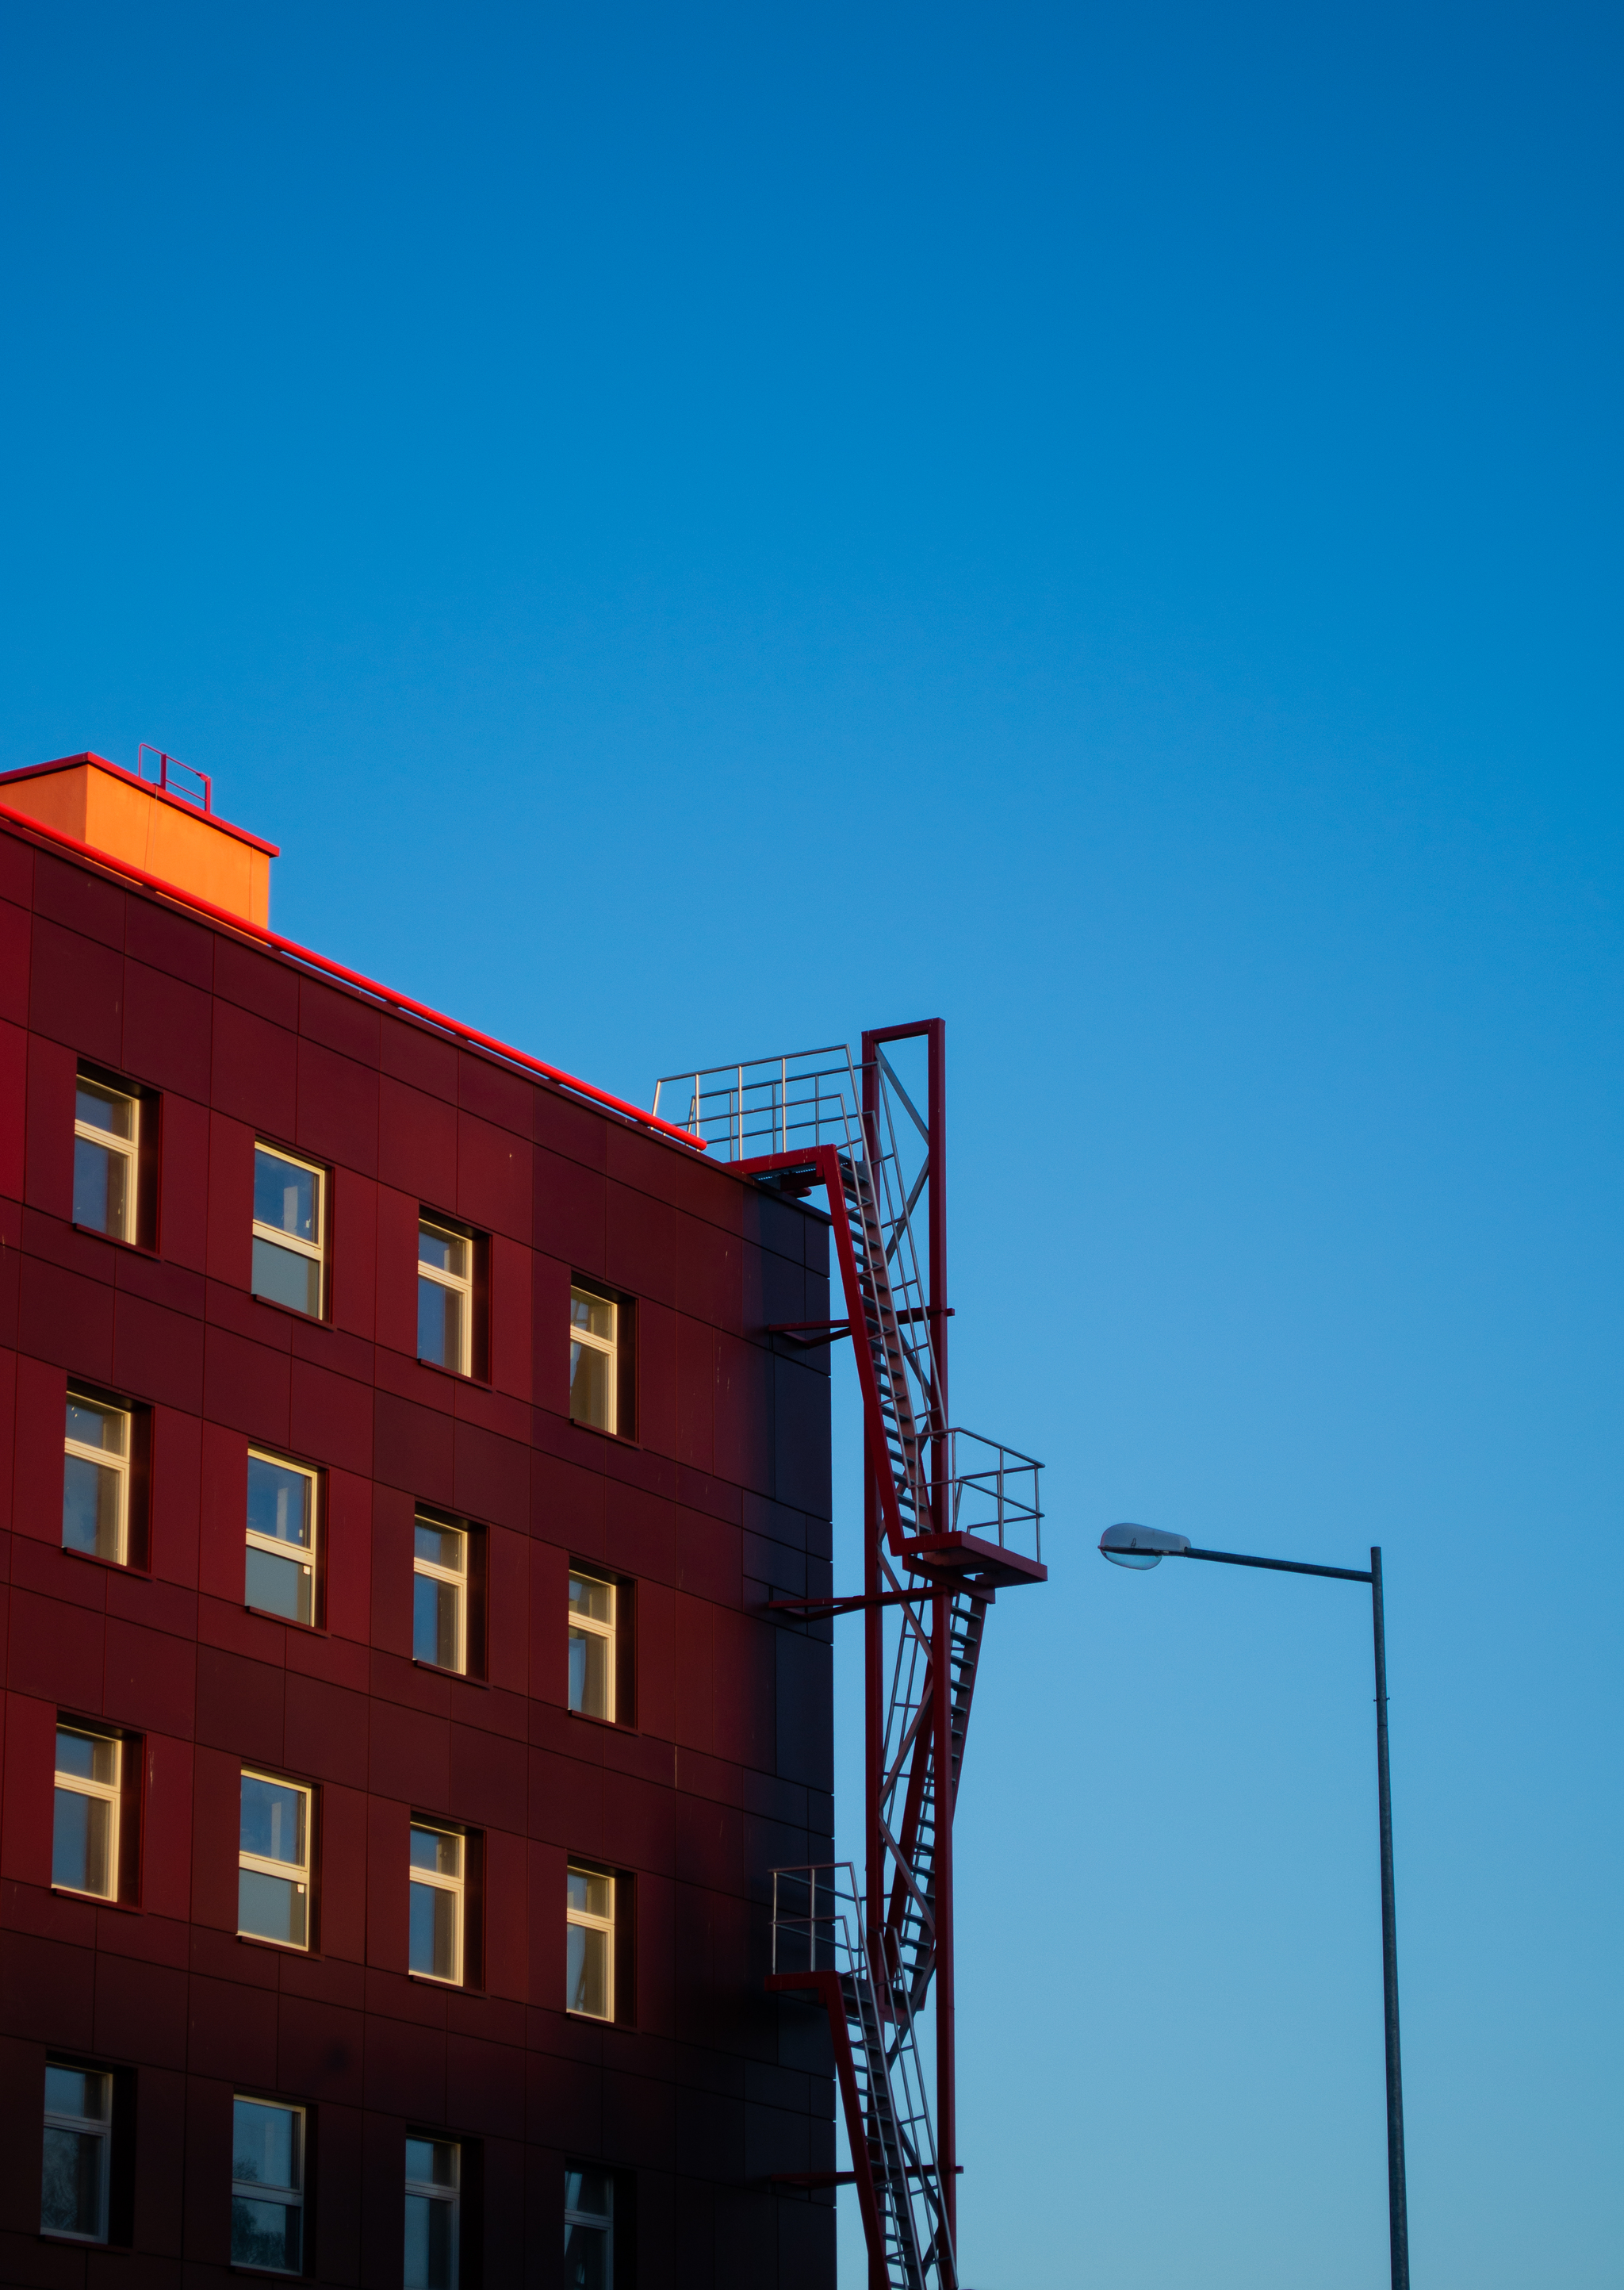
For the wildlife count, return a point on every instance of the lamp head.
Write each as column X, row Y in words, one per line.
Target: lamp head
column 1140, row 1547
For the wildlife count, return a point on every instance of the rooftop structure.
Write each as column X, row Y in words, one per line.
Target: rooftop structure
column 144, row 819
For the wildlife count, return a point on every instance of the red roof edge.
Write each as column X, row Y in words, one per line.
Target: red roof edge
column 158, row 795
column 330, row 969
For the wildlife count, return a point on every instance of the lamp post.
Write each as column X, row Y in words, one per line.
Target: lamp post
column 1144, row 1547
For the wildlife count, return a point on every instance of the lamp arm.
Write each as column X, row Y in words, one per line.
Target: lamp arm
column 1275, row 1565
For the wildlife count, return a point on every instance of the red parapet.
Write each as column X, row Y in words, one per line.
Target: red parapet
column 391, row 999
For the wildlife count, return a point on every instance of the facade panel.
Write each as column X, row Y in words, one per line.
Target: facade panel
column 679, row 2105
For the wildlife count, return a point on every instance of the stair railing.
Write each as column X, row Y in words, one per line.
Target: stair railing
column 910, row 1798
column 758, row 1107
column 818, row 1926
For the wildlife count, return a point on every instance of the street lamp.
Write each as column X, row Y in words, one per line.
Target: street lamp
column 1144, row 1547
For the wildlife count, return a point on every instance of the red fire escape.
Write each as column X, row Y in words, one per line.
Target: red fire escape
column 949, row 1520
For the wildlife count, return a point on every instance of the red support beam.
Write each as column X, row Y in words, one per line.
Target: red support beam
column 946, row 2078
column 818, row 1609
column 933, row 1032
column 873, row 1734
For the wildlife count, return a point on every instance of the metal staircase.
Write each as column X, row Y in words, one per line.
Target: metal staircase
column 889, row 1359
column 817, row 1947
column 952, row 1517
column 911, row 1916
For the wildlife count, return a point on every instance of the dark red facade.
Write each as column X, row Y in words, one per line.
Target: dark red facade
column 722, row 1768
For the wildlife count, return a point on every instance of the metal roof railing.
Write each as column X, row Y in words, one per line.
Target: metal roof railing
column 768, row 1105
column 164, row 778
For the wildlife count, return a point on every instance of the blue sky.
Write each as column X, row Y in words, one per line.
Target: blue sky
column 698, row 531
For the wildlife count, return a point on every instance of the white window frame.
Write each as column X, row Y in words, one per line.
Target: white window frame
column 287, row 1552
column 432, row 1573
column 292, row 1872
column 278, row 1236
column 128, row 1147
column 589, row 1923
column 450, row 2196
column 436, row 1880
column 590, row 1626
column 610, row 1346
column 85, row 2126
column 463, row 1288
column 252, row 2191
column 107, row 1462
column 601, row 2220
column 109, row 1793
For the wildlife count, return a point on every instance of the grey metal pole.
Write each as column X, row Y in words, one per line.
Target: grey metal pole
column 1399, row 2219
column 1398, row 2216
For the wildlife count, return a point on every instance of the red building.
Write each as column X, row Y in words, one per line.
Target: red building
column 395, row 1462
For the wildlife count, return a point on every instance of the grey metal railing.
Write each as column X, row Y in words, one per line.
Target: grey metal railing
column 768, row 1105
column 818, row 1926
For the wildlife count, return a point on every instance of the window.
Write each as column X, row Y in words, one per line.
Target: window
column 106, row 1138
column 273, row 1885
column 267, row 2173
column 436, row 1924
column 588, row 2229
column 589, row 1968
column 289, row 1231
column 439, row 1594
column 280, row 1570
column 434, row 2176
column 593, row 1342
column 85, row 1834
column 592, row 1623
column 96, row 1479
column 73, row 2197
column 445, row 1297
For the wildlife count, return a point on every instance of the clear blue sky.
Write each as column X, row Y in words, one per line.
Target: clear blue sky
column 700, row 529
